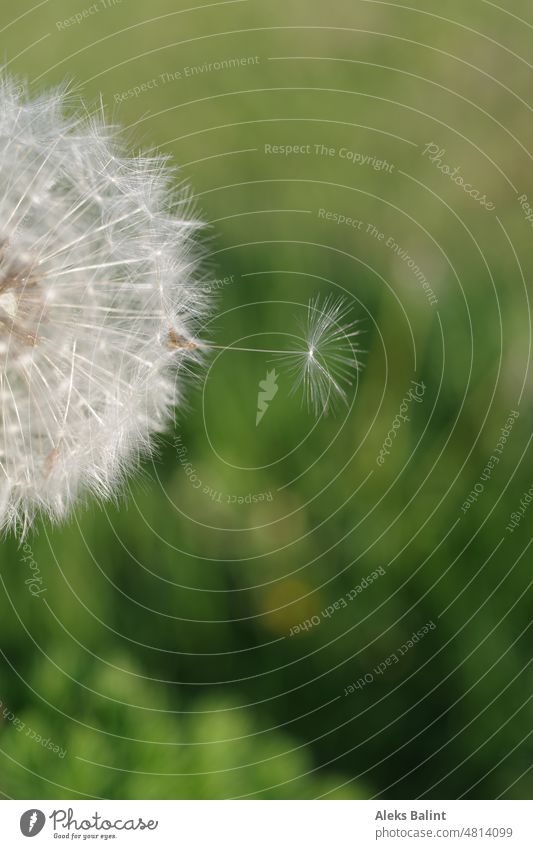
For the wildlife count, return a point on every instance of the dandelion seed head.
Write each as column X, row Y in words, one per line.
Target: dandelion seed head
column 324, row 360
column 97, row 273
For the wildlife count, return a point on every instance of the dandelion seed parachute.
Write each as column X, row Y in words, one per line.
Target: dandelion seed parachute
column 97, row 276
column 325, row 359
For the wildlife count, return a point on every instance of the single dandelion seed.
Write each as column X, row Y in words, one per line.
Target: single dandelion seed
column 324, row 360
column 100, row 308
column 97, row 288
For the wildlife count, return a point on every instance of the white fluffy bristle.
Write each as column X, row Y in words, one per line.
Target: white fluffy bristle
column 96, row 282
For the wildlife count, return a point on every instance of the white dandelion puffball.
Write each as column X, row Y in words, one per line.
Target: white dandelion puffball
column 98, row 305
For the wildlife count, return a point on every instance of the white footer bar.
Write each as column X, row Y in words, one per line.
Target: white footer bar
column 268, row 824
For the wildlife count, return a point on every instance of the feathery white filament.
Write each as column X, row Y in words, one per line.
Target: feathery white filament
column 96, row 281
column 327, row 360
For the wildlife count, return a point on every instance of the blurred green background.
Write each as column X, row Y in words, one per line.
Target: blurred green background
column 158, row 657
